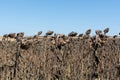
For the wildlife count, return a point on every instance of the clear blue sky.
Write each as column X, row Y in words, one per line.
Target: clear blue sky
column 61, row 16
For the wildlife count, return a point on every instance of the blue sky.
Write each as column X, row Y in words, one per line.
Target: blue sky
column 61, row 16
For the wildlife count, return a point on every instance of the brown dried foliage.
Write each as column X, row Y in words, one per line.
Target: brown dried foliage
column 78, row 59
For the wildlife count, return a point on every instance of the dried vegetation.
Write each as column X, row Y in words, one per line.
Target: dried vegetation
column 60, row 57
